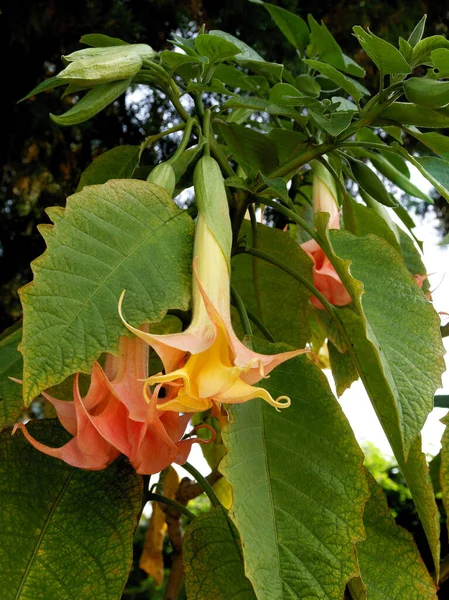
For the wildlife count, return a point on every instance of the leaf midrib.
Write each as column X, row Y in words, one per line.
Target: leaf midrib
column 43, row 532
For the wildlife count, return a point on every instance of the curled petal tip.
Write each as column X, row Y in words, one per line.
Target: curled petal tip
column 204, row 426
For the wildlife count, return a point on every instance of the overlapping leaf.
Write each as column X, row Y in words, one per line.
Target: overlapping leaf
column 65, row 533
column 272, row 295
column 120, row 235
column 390, row 564
column 397, row 347
column 213, row 559
column 298, row 486
column 11, row 365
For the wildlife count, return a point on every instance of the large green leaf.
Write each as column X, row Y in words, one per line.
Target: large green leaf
column 274, row 296
column 435, row 141
column 65, row 533
column 11, row 365
column 298, row 486
column 216, row 48
column 213, row 559
column 124, row 234
column 444, row 469
column 396, row 345
column 390, row 564
column 118, row 163
column 402, row 325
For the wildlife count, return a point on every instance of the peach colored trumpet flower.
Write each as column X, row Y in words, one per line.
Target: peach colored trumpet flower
column 207, row 363
column 117, row 417
column 325, row 278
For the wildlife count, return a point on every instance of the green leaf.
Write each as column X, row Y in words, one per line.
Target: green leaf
column 406, row 113
column 216, row 48
column 246, row 52
column 388, row 170
column 173, row 60
column 370, row 182
column 341, row 80
column 405, row 49
column 400, row 360
column 48, row 84
column 435, row 141
column 11, row 365
column 386, row 57
column 66, row 532
column 445, row 240
column 388, row 558
column 434, row 170
column 423, row 49
column 124, row 234
column 324, row 45
column 272, row 71
column 99, row 40
column 277, row 299
column 343, row 369
column 417, row 32
column 92, row 103
column 298, row 486
column 292, row 26
column 334, row 123
column 288, row 143
column 284, row 93
column 213, row 559
column 440, row 60
column 254, row 150
column 117, row 163
column 427, row 92
column 275, row 188
column 308, row 85
column 260, row 104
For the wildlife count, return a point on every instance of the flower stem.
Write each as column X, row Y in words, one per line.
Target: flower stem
column 206, row 131
column 203, row 483
column 241, row 308
column 164, row 500
column 302, row 280
column 185, row 140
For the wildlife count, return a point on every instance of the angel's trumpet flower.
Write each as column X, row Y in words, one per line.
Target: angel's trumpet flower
column 325, row 278
column 207, row 363
column 117, row 417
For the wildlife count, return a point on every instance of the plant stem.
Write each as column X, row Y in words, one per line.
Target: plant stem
column 302, row 280
column 299, row 161
column 164, row 500
column 241, row 309
column 261, row 326
column 206, row 131
column 203, row 483
column 157, row 136
column 174, row 99
column 185, row 139
column 292, row 216
column 220, row 157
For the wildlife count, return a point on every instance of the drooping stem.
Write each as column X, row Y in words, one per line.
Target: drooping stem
column 185, row 139
column 241, row 309
column 298, row 276
column 203, row 483
column 299, row 161
column 206, row 131
column 258, row 323
column 164, row 500
column 175, row 100
column 254, row 241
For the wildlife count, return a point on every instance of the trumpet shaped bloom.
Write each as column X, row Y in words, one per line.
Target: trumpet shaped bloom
column 207, row 363
column 116, row 417
column 325, row 278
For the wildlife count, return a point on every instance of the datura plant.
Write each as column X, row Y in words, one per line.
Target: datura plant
column 199, row 299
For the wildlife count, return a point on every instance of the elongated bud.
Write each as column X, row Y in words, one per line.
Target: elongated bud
column 324, row 191
column 94, row 66
column 212, row 202
column 163, row 175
